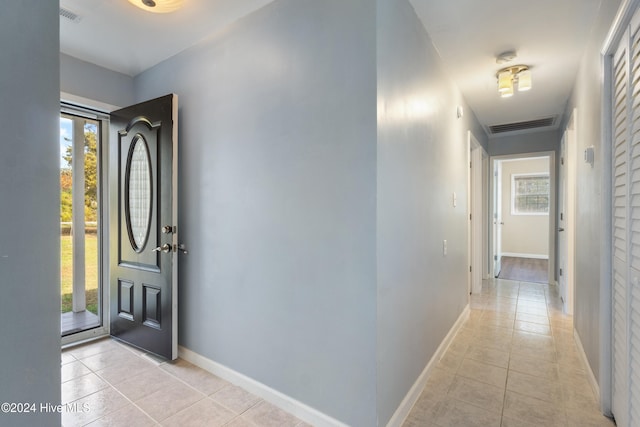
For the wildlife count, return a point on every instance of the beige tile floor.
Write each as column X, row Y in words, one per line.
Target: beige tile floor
column 112, row 384
column 513, row 364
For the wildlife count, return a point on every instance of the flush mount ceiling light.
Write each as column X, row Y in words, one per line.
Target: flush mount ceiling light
column 519, row 75
column 158, row 6
column 505, row 57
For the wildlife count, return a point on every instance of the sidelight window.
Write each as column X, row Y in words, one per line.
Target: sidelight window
column 80, row 221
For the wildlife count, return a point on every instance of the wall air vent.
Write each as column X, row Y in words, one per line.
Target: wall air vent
column 67, row 14
column 518, row 126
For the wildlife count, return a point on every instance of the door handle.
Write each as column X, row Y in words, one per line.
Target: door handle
column 183, row 248
column 560, row 229
column 166, row 248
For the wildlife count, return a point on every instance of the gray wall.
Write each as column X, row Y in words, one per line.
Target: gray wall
column 93, row 82
column 30, row 209
column 278, row 198
column 587, row 99
column 525, row 143
column 422, row 160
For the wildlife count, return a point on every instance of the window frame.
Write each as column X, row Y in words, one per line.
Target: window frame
column 514, row 176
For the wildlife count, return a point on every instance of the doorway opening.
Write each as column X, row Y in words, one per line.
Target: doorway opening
column 523, row 243
column 81, row 291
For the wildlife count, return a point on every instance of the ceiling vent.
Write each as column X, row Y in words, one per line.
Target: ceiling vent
column 518, row 126
column 67, row 14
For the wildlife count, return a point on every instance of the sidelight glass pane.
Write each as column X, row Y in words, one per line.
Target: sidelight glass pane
column 91, row 214
column 79, row 224
column 138, row 190
column 66, row 212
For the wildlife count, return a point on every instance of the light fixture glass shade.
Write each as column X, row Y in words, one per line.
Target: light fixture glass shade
column 505, row 82
column 524, row 80
column 507, row 93
column 158, row 6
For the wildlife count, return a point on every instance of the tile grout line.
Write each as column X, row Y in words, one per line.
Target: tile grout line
column 504, row 398
column 142, row 356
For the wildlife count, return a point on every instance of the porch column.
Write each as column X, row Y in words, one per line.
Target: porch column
column 77, row 227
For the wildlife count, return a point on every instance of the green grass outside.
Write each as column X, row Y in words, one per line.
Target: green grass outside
column 91, row 272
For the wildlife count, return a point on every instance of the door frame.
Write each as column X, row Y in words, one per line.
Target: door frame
column 552, row 205
column 486, row 218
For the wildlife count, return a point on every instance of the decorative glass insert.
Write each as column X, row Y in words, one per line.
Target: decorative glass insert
column 138, row 193
column 530, row 194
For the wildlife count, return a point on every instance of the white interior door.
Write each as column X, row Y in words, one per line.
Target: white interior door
column 620, row 393
column 476, row 216
column 625, row 214
column 497, row 218
column 562, row 234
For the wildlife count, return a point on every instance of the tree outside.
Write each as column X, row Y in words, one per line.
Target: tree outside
column 90, row 177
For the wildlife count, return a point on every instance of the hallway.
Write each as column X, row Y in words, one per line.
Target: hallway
column 514, row 363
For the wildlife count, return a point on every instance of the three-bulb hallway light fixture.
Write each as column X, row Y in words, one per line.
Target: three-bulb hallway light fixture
column 510, row 77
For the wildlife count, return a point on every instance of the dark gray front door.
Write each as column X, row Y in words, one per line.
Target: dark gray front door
column 143, row 225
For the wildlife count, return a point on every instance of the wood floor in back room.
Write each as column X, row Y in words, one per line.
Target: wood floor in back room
column 524, row 269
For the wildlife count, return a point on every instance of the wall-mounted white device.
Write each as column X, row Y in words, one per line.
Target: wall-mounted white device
column 589, row 155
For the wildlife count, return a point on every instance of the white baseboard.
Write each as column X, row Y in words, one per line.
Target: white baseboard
column 520, row 255
column 416, row 390
column 583, row 356
column 297, row 408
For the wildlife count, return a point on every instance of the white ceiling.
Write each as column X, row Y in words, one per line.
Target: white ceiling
column 548, row 35
column 119, row 36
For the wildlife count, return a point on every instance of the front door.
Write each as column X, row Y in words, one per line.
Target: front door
column 143, row 227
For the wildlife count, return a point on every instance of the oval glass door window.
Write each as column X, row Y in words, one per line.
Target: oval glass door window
column 138, row 193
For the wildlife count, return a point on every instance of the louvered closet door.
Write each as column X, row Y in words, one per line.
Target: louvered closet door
column 619, row 203
column 626, row 228
column 633, row 232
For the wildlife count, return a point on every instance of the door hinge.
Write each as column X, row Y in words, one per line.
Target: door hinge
column 495, row 257
column 560, row 272
column 561, row 216
column 470, row 165
column 469, row 217
column 470, row 269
